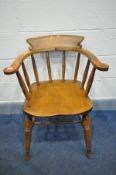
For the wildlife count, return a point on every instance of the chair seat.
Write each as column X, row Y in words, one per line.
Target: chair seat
column 57, row 98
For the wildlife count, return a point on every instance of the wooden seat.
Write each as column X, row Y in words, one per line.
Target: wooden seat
column 56, row 97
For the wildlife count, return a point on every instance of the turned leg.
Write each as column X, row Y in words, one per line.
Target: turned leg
column 87, row 134
column 28, row 128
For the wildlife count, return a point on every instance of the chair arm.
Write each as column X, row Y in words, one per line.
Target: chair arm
column 93, row 59
column 17, row 62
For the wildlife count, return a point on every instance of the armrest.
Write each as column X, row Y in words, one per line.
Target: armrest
column 17, row 62
column 94, row 60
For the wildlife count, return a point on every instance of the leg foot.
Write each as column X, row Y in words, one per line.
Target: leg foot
column 88, row 154
column 27, row 156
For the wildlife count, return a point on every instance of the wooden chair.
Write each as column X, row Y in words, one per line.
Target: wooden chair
column 56, row 97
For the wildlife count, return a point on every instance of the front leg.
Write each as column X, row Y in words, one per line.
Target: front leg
column 28, row 128
column 87, row 134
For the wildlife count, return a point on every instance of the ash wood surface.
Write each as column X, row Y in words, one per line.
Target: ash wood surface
column 54, row 41
column 63, row 65
column 22, row 84
column 92, row 58
column 48, row 66
column 86, row 122
column 57, row 97
column 28, row 127
column 85, row 73
column 35, row 69
column 90, row 81
column 77, row 67
column 26, row 75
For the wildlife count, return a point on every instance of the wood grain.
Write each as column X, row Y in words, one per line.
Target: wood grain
column 26, row 75
column 57, row 98
column 28, row 130
column 35, row 69
column 92, row 58
column 63, row 65
column 54, row 41
column 90, row 81
column 48, row 66
column 85, row 73
column 22, row 84
column 77, row 67
column 87, row 134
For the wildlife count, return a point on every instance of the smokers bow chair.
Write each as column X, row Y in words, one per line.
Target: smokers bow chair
column 62, row 97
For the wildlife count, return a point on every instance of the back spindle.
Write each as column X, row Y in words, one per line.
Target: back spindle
column 22, row 84
column 35, row 69
column 90, row 81
column 48, row 65
column 26, row 75
column 63, row 65
column 77, row 67
column 85, row 73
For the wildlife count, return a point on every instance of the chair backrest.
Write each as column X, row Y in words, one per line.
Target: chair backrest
column 57, row 43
